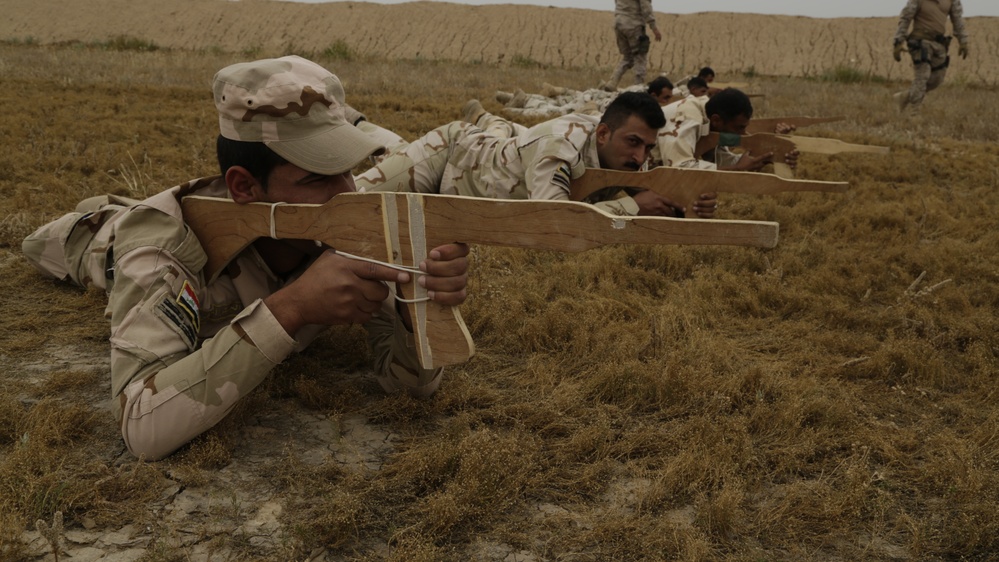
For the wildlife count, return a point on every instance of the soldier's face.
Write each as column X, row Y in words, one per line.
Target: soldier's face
column 290, row 184
column 664, row 97
column 627, row 147
column 737, row 125
column 698, row 91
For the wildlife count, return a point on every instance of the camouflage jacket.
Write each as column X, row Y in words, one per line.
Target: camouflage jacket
column 686, row 122
column 462, row 159
column 633, row 13
column 185, row 347
column 929, row 20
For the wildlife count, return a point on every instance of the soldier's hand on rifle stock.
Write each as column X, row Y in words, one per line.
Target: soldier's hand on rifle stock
column 784, row 128
column 791, row 159
column 446, row 269
column 651, row 204
column 706, row 205
column 333, row 290
column 749, row 163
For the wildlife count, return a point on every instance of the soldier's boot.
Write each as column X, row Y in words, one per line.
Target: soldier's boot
column 352, row 115
column 611, row 85
column 472, row 112
column 550, row 91
column 503, row 97
column 519, row 98
column 901, row 99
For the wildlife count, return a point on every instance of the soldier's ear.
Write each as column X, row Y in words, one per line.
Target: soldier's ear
column 243, row 187
column 603, row 134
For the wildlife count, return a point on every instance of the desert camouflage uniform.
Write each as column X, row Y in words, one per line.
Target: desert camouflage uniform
column 630, row 19
column 390, row 140
column 686, row 122
column 555, row 101
column 463, row 159
column 186, row 348
column 928, row 43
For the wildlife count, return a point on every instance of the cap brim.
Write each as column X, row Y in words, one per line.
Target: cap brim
column 334, row 151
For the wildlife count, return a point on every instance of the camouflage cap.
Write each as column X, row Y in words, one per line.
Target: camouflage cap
column 295, row 107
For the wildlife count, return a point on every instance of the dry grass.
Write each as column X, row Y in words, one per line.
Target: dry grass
column 831, row 399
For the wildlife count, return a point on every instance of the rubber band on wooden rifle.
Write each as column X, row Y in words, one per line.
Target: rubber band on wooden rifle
column 273, row 222
column 407, row 269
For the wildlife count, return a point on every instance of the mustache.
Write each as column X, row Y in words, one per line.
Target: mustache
column 633, row 166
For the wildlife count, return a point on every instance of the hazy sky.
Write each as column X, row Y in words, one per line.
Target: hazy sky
column 812, row 8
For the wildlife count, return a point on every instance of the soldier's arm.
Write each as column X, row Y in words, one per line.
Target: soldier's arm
column 167, row 385
column 676, row 147
column 648, row 16
column 957, row 20
column 548, row 179
column 905, row 20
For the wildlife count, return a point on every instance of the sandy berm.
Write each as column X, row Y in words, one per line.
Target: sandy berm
column 505, row 33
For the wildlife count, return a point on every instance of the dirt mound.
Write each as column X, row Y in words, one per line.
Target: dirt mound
column 511, row 34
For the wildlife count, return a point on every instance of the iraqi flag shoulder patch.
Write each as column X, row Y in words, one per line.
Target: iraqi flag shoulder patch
column 187, row 301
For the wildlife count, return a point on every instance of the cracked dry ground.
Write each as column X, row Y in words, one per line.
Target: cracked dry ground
column 239, row 499
column 234, row 511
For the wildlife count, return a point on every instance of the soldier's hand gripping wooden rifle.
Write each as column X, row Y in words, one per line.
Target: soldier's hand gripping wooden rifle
column 684, row 186
column 782, row 149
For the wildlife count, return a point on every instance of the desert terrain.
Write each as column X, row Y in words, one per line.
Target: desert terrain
column 506, row 34
column 830, row 399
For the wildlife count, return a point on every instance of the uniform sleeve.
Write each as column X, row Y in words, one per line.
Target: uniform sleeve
column 957, row 20
column 648, row 16
column 619, row 204
column 549, row 179
column 167, row 387
column 725, row 158
column 905, row 20
column 397, row 366
column 676, row 147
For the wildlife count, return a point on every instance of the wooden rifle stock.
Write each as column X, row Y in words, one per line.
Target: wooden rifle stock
column 401, row 228
column 780, row 145
column 684, row 185
column 769, row 125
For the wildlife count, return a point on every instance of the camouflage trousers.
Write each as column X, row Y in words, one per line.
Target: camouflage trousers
column 929, row 62
column 456, row 159
column 633, row 54
column 76, row 246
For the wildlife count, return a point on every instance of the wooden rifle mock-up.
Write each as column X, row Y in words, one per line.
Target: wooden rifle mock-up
column 401, row 228
column 769, row 125
column 780, row 145
column 683, row 186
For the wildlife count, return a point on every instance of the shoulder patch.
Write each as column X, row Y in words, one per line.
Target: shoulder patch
column 187, row 300
column 177, row 318
column 563, row 176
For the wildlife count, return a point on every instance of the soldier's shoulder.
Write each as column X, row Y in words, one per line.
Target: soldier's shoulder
column 158, row 222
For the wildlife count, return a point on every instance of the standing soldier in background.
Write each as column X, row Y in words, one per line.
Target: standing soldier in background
column 630, row 19
column 927, row 44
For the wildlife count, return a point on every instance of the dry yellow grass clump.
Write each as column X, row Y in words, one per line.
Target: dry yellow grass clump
column 830, row 399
